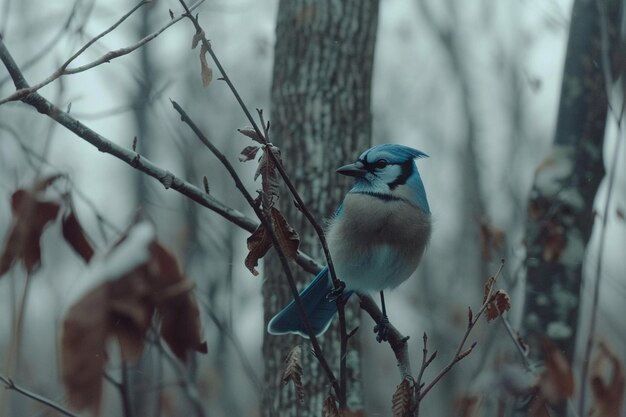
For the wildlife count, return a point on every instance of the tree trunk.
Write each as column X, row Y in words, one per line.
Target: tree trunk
column 560, row 208
column 321, row 119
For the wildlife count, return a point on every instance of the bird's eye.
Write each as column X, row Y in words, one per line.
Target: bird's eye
column 381, row 163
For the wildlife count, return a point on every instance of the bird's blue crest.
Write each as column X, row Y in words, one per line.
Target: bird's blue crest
column 396, row 154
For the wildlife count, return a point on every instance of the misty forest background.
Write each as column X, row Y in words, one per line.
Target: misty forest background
column 520, row 168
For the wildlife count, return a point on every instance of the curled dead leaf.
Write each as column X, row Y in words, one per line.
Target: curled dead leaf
column 251, row 133
column 258, row 243
column 500, row 303
column 75, row 236
column 31, row 214
column 288, row 239
column 122, row 307
column 248, row 153
column 269, row 176
column 329, row 409
column 293, row 371
column 197, row 37
column 206, row 72
column 83, row 353
column 402, row 399
column 180, row 317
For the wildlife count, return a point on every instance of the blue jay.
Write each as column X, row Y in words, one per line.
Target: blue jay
column 376, row 237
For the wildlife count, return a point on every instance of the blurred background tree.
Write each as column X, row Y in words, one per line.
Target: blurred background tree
column 321, row 119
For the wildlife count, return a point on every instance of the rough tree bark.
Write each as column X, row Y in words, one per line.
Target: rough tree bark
column 560, row 208
column 321, row 119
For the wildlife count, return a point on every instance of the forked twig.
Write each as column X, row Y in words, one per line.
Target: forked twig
column 269, row 229
column 460, row 352
column 24, row 89
column 9, row 384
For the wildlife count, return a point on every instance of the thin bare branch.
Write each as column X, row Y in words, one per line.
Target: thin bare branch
column 268, row 227
column 460, row 352
column 24, row 89
column 319, row 230
column 9, row 384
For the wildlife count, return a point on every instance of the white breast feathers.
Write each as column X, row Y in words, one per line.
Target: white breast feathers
column 377, row 243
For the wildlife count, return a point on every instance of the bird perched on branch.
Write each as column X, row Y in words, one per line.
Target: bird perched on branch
column 376, row 238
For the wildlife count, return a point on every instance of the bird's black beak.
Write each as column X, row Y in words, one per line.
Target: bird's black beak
column 353, row 170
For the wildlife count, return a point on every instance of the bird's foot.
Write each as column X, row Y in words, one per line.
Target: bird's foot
column 335, row 293
column 382, row 329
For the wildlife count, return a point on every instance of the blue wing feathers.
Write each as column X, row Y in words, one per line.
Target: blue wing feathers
column 319, row 310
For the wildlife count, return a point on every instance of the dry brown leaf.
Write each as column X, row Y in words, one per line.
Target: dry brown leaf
column 74, row 234
column 122, row 307
column 197, row 37
column 608, row 396
column 288, row 239
column 402, row 399
column 206, row 72
column 269, row 176
column 180, row 317
column 258, row 243
column 329, row 409
column 31, row 214
column 83, row 354
column 130, row 309
column 251, row 133
column 293, row 371
column 500, row 303
column 248, row 153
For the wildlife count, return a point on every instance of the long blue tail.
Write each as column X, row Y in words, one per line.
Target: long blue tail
column 318, row 309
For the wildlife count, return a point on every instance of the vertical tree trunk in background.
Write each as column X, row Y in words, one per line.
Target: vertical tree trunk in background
column 560, row 216
column 321, row 119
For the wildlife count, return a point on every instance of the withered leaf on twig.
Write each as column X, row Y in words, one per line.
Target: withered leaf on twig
column 83, row 354
column 258, row 243
column 329, row 409
column 498, row 301
column 180, row 317
column 74, row 234
column 251, row 133
column 501, row 303
column 288, row 239
column 122, row 307
column 197, row 37
column 402, row 399
column 206, row 72
column 269, row 176
column 31, row 214
column 248, row 153
column 293, row 371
